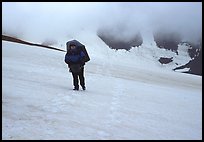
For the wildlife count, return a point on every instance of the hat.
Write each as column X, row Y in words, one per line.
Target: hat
column 72, row 44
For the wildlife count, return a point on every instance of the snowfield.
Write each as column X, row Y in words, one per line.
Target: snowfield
column 127, row 97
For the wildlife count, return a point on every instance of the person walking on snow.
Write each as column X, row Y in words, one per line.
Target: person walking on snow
column 75, row 58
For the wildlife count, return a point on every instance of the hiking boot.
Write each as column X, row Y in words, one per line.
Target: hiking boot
column 83, row 87
column 76, row 89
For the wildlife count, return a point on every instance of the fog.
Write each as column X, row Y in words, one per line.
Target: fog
column 37, row 21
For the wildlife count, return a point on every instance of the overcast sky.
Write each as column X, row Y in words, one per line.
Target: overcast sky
column 43, row 19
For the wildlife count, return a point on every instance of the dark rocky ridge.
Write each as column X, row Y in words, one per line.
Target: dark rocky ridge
column 169, row 41
column 115, row 43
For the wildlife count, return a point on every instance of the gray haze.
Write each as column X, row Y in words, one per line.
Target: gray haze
column 41, row 20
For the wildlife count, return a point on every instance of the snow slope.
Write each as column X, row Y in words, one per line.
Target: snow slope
column 127, row 97
column 146, row 54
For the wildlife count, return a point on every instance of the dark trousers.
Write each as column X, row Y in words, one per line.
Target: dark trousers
column 77, row 77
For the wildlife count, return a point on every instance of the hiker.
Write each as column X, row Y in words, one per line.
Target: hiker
column 76, row 57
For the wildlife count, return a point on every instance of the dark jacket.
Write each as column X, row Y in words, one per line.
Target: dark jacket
column 75, row 57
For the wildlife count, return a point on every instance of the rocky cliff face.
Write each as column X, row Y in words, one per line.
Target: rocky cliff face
column 119, row 41
column 171, row 42
column 168, row 41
